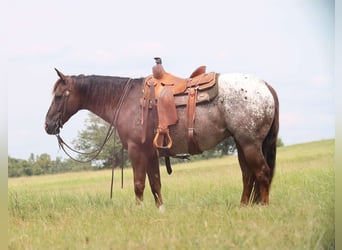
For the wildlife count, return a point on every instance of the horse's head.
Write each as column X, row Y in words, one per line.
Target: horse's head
column 63, row 106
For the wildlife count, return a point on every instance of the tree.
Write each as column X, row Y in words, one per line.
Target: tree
column 227, row 146
column 43, row 164
column 91, row 139
column 15, row 168
column 280, row 142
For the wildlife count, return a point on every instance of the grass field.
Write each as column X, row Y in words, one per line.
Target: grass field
column 73, row 211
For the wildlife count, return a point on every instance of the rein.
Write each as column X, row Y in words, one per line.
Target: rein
column 111, row 130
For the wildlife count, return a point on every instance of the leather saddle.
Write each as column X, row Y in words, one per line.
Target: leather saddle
column 164, row 91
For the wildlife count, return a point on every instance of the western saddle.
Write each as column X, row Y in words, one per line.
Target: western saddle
column 165, row 92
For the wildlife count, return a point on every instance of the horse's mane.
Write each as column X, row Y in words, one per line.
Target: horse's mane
column 100, row 90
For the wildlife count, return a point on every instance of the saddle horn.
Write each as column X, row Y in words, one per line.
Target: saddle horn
column 158, row 70
column 158, row 60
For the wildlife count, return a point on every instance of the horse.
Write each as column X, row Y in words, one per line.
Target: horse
column 246, row 108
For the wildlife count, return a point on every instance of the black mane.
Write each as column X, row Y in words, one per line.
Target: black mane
column 102, row 90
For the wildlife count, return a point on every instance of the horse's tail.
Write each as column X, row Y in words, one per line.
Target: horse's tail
column 269, row 145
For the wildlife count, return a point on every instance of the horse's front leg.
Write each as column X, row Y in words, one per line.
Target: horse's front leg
column 153, row 173
column 139, row 162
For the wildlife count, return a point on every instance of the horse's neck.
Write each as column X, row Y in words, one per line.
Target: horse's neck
column 101, row 95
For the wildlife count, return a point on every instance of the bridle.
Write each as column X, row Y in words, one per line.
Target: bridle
column 62, row 109
column 62, row 143
column 110, row 131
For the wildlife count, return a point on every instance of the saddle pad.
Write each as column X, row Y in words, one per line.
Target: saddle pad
column 205, row 95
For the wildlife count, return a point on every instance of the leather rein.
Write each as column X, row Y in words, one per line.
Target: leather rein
column 110, row 131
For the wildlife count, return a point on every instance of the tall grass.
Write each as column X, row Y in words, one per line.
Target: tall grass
column 73, row 211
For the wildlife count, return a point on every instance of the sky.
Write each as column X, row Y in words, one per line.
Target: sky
column 289, row 44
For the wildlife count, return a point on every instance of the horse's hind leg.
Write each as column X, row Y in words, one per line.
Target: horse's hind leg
column 248, row 177
column 256, row 163
column 153, row 173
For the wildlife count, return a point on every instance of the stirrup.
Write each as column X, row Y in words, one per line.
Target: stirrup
column 168, row 139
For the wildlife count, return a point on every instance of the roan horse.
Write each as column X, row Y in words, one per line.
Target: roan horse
column 246, row 108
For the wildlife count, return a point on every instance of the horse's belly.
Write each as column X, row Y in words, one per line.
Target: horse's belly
column 210, row 128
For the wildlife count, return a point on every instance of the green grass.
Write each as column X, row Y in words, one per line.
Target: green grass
column 73, row 211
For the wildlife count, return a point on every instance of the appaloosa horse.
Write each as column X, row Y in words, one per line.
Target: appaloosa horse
column 246, row 108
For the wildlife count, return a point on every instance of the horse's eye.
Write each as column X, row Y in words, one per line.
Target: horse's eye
column 58, row 97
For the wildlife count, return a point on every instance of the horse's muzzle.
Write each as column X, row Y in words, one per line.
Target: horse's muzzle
column 52, row 128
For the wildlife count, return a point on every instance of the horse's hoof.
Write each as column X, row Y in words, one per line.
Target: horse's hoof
column 161, row 209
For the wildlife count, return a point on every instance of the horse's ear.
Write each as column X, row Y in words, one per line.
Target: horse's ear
column 60, row 74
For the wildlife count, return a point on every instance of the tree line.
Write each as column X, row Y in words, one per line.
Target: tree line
column 43, row 164
column 90, row 139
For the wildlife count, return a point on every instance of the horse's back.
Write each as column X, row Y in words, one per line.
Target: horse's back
column 247, row 103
